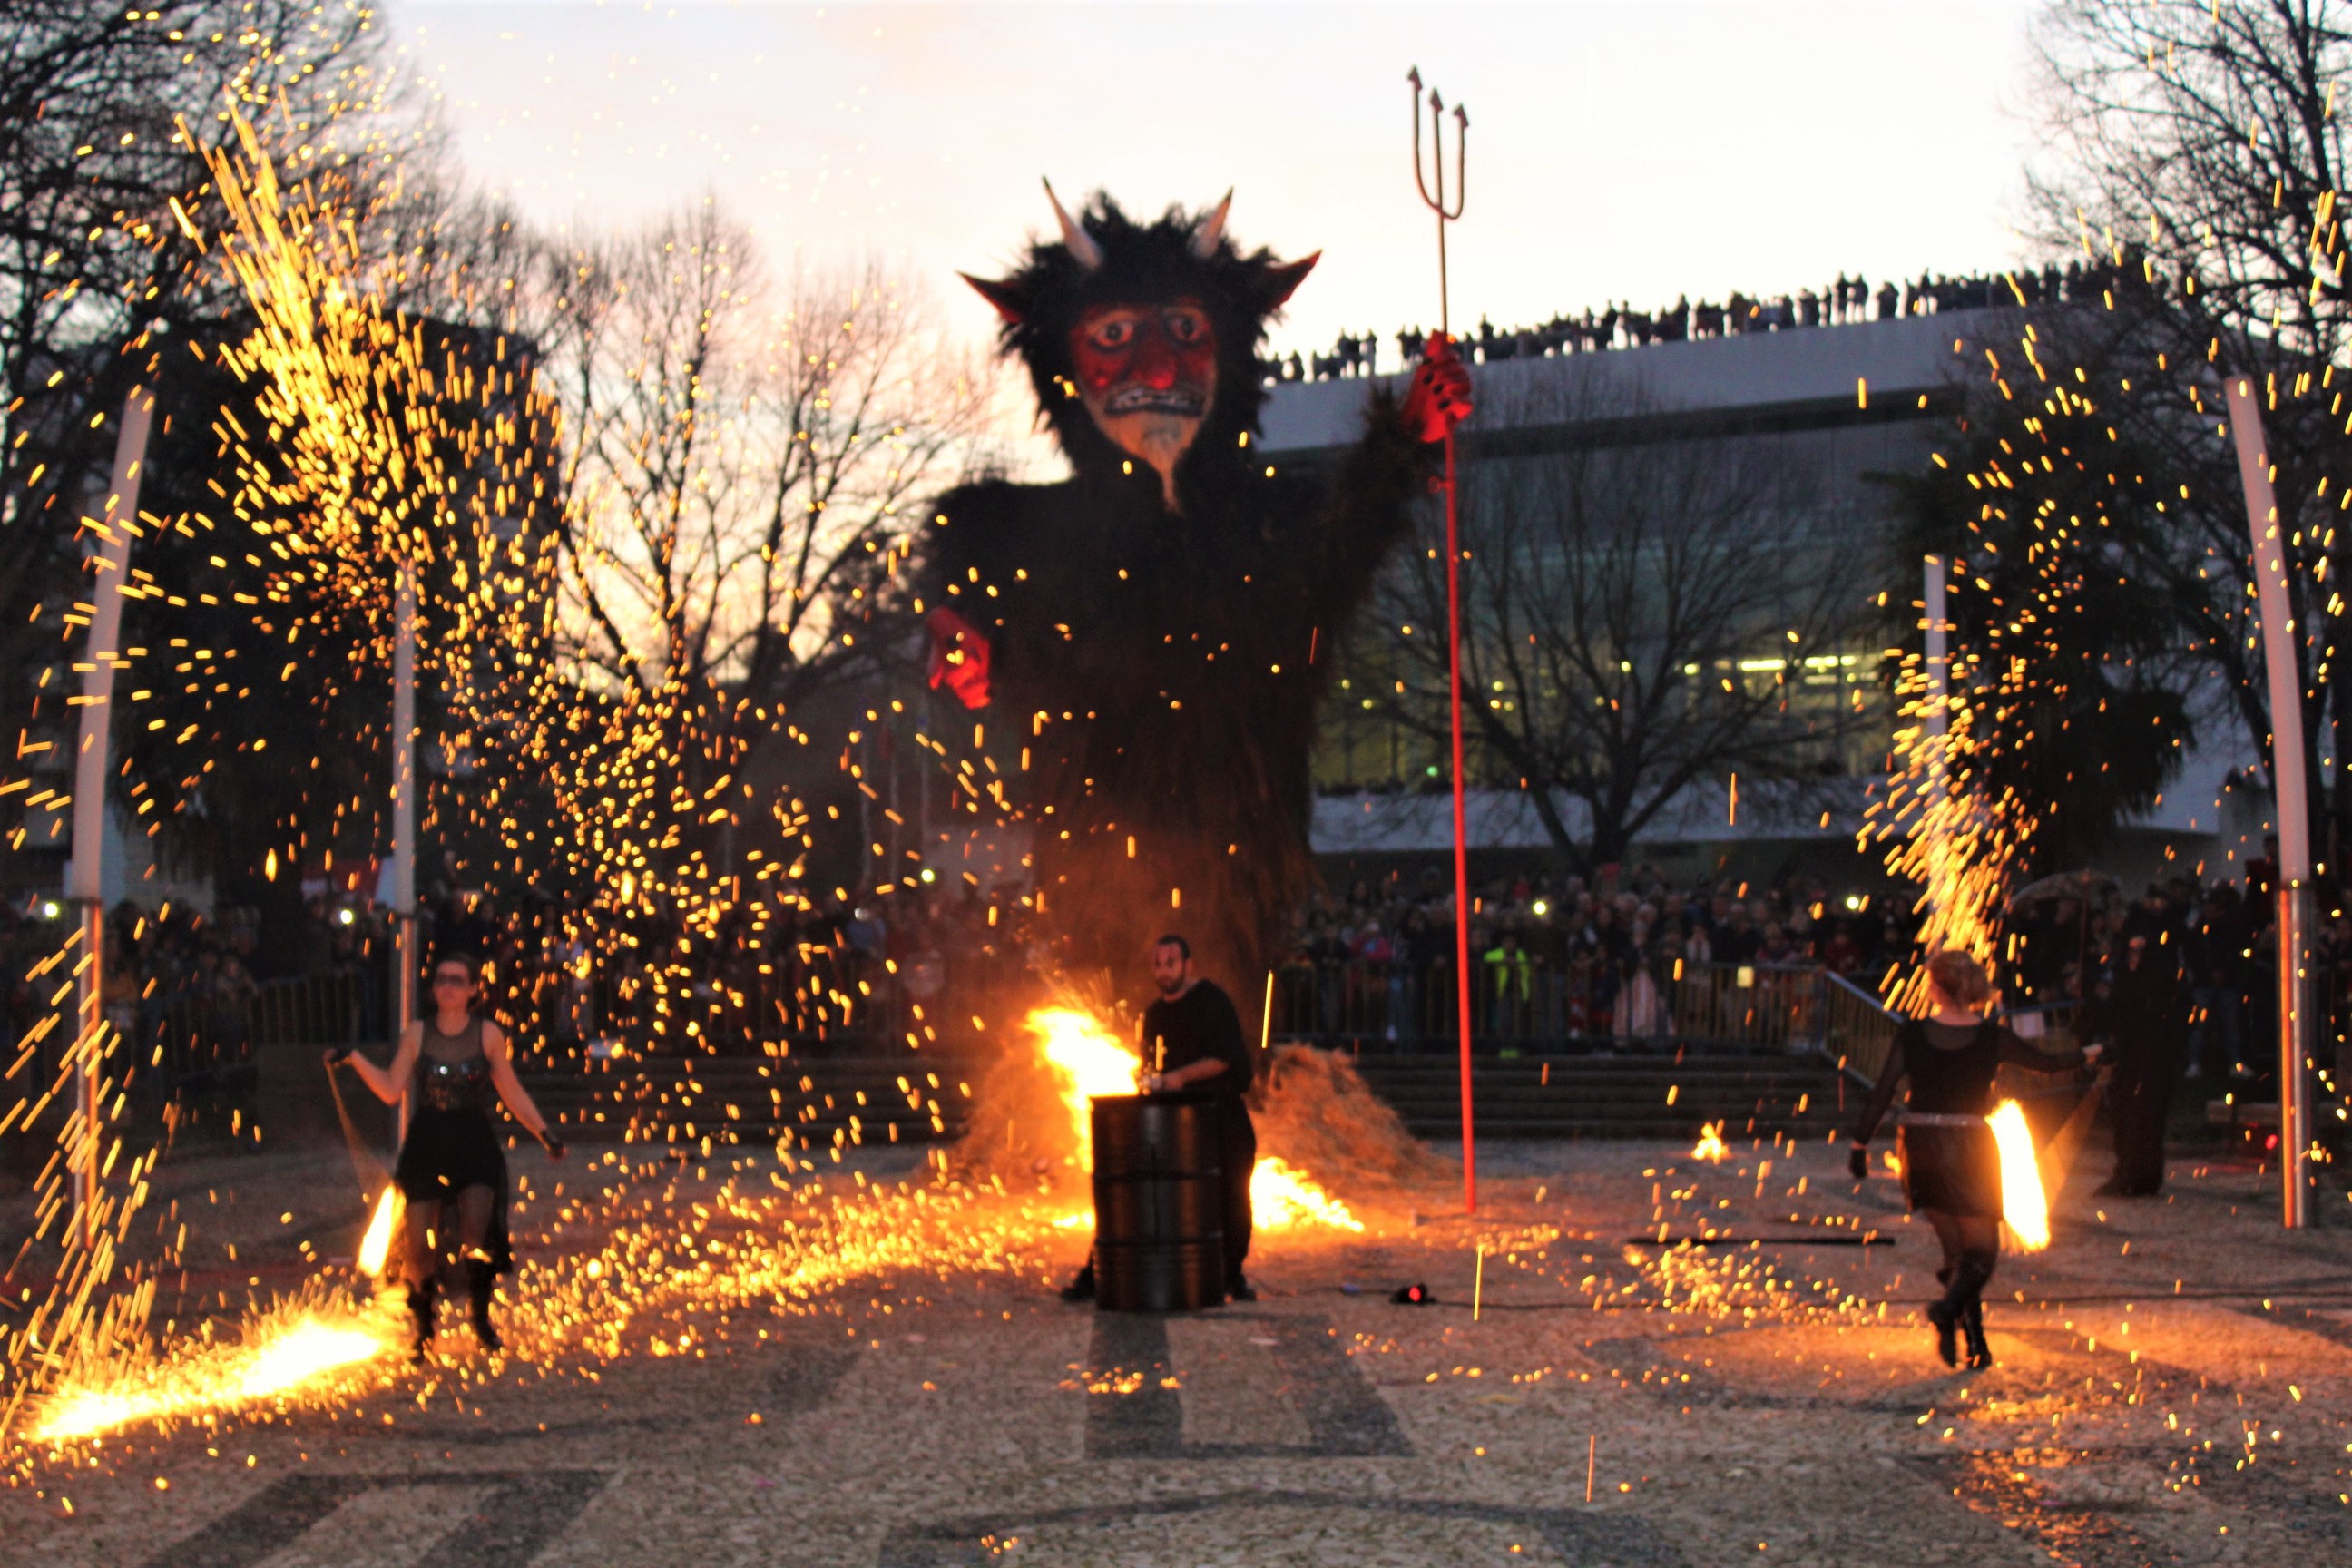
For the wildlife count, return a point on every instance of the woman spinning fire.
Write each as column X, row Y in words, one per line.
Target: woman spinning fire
column 451, row 1167
column 1951, row 1165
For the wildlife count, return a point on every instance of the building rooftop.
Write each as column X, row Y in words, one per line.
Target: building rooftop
column 1734, row 379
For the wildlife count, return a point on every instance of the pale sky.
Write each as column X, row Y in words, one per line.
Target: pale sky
column 1629, row 149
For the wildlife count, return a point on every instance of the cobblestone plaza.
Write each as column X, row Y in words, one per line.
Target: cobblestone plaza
column 2171, row 1387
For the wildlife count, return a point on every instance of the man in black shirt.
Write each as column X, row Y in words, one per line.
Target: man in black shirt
column 1192, row 1042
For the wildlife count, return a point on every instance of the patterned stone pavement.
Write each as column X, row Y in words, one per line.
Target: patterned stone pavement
column 2174, row 1387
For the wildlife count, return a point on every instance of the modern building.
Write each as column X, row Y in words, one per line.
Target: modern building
column 1829, row 412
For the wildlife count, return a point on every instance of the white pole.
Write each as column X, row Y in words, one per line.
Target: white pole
column 87, row 890
column 403, row 802
column 2298, row 1002
column 1940, row 656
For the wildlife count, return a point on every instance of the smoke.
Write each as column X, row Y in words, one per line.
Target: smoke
column 1315, row 1110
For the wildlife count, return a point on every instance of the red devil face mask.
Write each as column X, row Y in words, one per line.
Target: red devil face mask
column 1148, row 374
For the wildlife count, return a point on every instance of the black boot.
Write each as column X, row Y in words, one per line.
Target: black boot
column 480, row 1277
column 1971, row 1272
column 420, row 1318
column 1082, row 1287
column 1947, row 1319
column 1968, row 1274
column 1979, row 1350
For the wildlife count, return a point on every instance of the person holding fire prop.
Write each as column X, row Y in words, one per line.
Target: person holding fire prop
column 1951, row 1166
column 450, row 1167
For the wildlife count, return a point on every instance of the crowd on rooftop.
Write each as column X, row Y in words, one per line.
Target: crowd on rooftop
column 1846, row 299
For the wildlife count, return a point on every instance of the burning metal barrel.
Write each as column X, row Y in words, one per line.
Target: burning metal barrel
column 1159, row 1243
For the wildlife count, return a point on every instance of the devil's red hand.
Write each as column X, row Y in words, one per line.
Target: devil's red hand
column 960, row 655
column 1439, row 398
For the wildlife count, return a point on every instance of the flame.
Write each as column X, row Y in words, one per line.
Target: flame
column 1710, row 1146
column 1092, row 1063
column 1282, row 1196
column 308, row 1348
column 377, row 1245
column 2022, row 1202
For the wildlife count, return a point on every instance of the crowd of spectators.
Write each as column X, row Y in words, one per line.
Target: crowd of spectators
column 178, row 985
column 1560, row 958
column 2219, row 937
column 1555, row 958
column 1619, row 326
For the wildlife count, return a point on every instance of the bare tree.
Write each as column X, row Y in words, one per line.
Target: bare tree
column 746, row 455
column 1645, row 614
column 2198, row 151
column 743, row 462
column 101, row 109
column 2210, row 136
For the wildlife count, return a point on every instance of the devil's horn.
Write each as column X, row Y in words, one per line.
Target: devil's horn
column 1079, row 243
column 1211, row 232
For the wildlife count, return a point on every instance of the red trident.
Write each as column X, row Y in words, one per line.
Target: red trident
column 1432, row 185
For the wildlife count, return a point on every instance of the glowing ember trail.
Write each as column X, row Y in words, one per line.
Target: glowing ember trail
column 304, row 1351
column 1710, row 1146
column 2022, row 1202
column 1092, row 1063
column 377, row 1245
column 648, row 1284
column 1282, row 1197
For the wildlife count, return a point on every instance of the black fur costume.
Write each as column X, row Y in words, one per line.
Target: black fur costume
column 1163, row 667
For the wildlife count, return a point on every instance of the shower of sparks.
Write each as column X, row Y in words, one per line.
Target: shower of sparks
column 304, row 1353
column 663, row 1267
column 1958, row 847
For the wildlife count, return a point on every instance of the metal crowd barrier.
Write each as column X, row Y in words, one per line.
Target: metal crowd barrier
column 1520, row 1001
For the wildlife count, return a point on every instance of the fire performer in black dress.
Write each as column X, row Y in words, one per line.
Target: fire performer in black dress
column 451, row 1168
column 1951, row 1166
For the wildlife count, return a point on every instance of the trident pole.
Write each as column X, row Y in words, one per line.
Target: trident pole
column 1432, row 186
column 87, row 889
column 2297, row 999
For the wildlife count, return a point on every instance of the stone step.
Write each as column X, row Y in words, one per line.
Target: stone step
column 1610, row 1097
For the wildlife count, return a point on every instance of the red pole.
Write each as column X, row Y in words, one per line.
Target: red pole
column 1432, row 197
column 1432, row 186
column 1461, row 833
